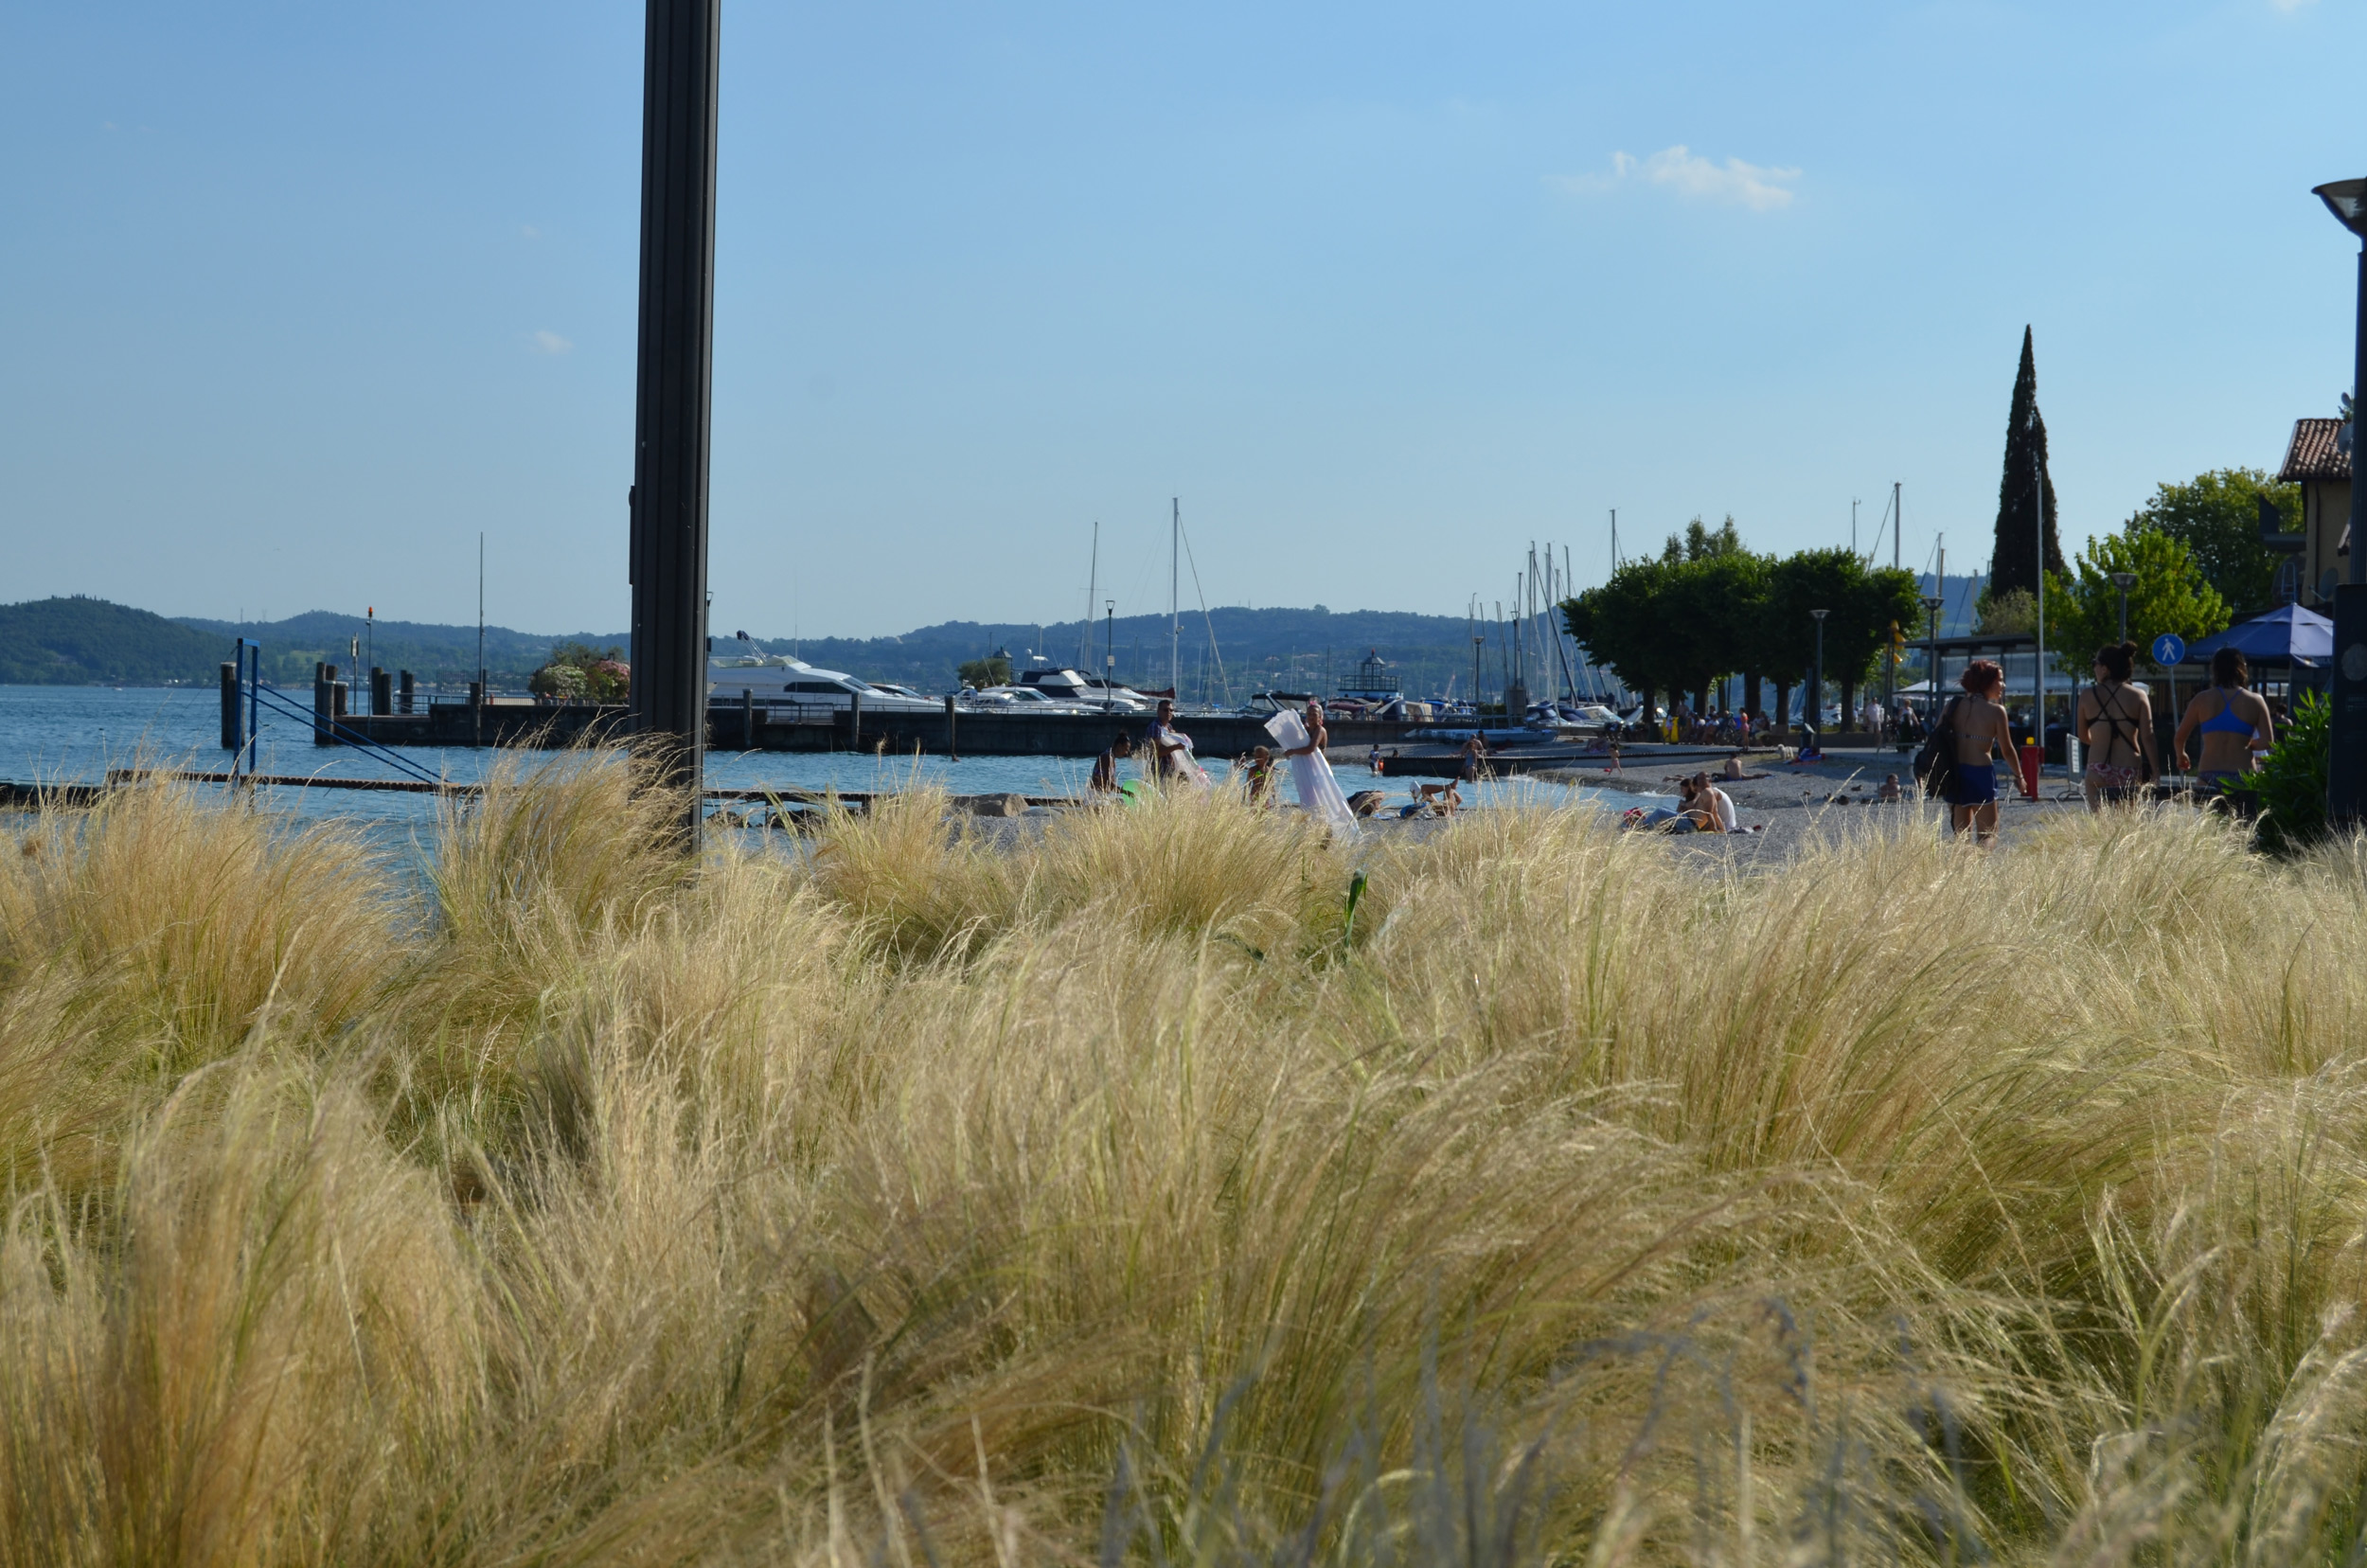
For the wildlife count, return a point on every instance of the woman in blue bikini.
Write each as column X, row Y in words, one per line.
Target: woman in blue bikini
column 2232, row 721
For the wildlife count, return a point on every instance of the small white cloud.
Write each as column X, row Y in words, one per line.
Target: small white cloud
column 109, row 125
column 548, row 342
column 1760, row 188
column 529, row 231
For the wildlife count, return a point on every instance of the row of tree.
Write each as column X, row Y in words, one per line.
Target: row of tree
column 1706, row 608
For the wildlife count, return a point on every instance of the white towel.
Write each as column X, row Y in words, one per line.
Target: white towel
column 1319, row 792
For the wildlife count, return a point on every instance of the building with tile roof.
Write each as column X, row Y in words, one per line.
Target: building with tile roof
column 2319, row 460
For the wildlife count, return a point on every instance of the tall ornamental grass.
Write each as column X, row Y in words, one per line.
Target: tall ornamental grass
column 905, row 1195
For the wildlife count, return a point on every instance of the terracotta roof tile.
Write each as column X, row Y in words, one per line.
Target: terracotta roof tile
column 2314, row 453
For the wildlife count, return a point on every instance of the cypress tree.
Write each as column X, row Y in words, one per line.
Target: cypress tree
column 2014, row 559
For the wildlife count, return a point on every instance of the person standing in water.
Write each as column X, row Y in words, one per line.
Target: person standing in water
column 1319, row 792
column 2232, row 721
column 1978, row 726
column 2116, row 729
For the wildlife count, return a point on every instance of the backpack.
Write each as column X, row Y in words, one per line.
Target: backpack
column 1935, row 764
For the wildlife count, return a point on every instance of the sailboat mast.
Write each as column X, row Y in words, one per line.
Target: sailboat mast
column 1175, row 616
column 1093, row 590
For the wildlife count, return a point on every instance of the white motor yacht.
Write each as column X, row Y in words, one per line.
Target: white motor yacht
column 777, row 680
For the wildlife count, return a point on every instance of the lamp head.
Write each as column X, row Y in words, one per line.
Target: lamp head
column 2123, row 581
column 2347, row 201
column 1933, row 603
column 1820, row 615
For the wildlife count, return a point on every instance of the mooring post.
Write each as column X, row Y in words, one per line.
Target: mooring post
column 409, row 694
column 950, row 751
column 669, row 498
column 382, row 692
column 747, row 720
column 477, row 713
column 231, row 739
column 854, row 721
column 324, row 702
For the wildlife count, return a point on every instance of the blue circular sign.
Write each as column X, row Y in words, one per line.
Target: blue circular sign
column 2169, row 648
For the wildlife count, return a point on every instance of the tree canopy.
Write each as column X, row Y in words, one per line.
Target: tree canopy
column 2216, row 516
column 1708, row 608
column 2171, row 594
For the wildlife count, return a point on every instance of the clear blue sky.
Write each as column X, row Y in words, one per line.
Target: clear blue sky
column 296, row 299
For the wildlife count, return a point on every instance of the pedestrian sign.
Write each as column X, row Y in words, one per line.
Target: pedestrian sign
column 2169, row 648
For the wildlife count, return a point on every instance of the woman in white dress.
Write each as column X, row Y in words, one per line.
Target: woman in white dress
column 1302, row 742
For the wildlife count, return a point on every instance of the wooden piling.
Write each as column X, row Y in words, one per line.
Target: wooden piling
column 409, row 691
column 382, row 692
column 854, row 721
column 951, row 751
column 231, row 737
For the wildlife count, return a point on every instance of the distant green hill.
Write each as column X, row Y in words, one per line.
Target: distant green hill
column 88, row 641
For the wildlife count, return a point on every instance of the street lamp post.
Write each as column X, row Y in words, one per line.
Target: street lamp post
column 2347, row 760
column 1932, row 604
column 1816, row 688
column 2124, row 581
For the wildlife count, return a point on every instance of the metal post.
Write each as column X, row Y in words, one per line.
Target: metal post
column 671, row 404
column 1816, row 689
column 2037, row 665
column 2346, row 764
column 952, row 753
column 230, row 705
column 747, row 720
column 854, row 721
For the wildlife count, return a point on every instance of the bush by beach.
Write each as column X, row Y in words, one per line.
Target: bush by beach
column 908, row 1196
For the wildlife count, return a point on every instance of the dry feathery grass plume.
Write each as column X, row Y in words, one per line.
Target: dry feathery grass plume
column 928, row 1191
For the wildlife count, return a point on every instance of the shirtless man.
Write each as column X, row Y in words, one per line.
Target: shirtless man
column 1979, row 729
column 1716, row 803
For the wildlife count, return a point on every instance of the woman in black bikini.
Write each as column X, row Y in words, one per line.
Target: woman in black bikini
column 2116, row 727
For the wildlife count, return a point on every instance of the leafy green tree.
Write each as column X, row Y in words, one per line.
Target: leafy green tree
column 1699, row 543
column 2171, row 594
column 1625, row 626
column 577, row 671
column 992, row 671
column 2014, row 561
column 2216, row 515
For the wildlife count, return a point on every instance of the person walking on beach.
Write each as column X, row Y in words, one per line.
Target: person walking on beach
column 1979, row 728
column 1302, row 741
column 2232, row 721
column 1105, row 773
column 1475, row 757
column 2116, row 729
column 1168, row 744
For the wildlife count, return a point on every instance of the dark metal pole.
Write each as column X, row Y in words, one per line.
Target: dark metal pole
column 669, row 498
column 2347, row 762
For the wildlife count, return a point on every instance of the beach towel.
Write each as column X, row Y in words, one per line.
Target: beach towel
column 1319, row 792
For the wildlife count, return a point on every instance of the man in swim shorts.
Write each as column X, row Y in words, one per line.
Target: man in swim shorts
column 1981, row 730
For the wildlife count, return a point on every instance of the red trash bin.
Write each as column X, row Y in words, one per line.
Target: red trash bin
column 2031, row 756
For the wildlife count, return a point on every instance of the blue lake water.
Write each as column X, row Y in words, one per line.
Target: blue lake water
column 75, row 734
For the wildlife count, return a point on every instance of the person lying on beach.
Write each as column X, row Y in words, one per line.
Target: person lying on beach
column 1888, row 789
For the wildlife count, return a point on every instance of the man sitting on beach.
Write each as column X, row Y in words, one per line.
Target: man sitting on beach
column 1715, row 802
column 1105, row 773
